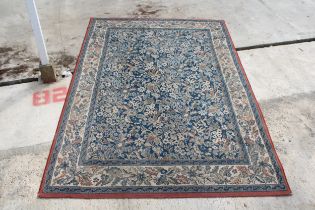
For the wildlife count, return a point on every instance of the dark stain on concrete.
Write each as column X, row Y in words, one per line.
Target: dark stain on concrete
column 147, row 10
column 5, row 49
column 13, row 70
column 65, row 60
column 17, row 63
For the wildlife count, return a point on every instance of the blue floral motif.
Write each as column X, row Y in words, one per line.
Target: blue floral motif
column 161, row 99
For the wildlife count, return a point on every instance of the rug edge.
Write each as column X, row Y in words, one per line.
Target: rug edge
column 42, row 184
column 157, row 19
column 259, row 110
column 164, row 195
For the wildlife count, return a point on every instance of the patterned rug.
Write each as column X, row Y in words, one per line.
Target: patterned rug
column 161, row 108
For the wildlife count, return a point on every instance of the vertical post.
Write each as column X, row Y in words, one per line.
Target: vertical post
column 47, row 72
column 39, row 38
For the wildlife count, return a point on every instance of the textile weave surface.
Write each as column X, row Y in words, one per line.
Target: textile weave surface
column 160, row 107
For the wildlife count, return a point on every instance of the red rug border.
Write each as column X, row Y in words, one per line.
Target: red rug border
column 42, row 194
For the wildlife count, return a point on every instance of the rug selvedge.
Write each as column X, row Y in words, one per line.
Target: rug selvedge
column 67, row 174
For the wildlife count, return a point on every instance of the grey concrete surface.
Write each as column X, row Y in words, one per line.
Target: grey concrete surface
column 282, row 78
column 276, row 72
column 250, row 22
column 30, row 124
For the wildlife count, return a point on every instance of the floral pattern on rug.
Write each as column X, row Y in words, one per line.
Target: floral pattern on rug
column 161, row 99
column 157, row 105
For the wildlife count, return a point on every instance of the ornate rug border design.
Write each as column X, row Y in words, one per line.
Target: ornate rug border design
column 242, row 190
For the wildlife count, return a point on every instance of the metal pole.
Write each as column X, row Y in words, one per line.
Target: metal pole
column 31, row 7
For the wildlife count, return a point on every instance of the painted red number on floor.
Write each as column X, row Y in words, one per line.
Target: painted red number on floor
column 59, row 94
column 47, row 96
column 41, row 98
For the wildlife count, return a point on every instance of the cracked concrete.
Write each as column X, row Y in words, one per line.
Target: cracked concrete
column 64, row 22
column 250, row 22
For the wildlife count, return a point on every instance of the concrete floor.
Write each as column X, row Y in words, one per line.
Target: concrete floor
column 250, row 22
column 282, row 78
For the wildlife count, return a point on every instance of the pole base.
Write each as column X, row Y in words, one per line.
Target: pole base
column 48, row 73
